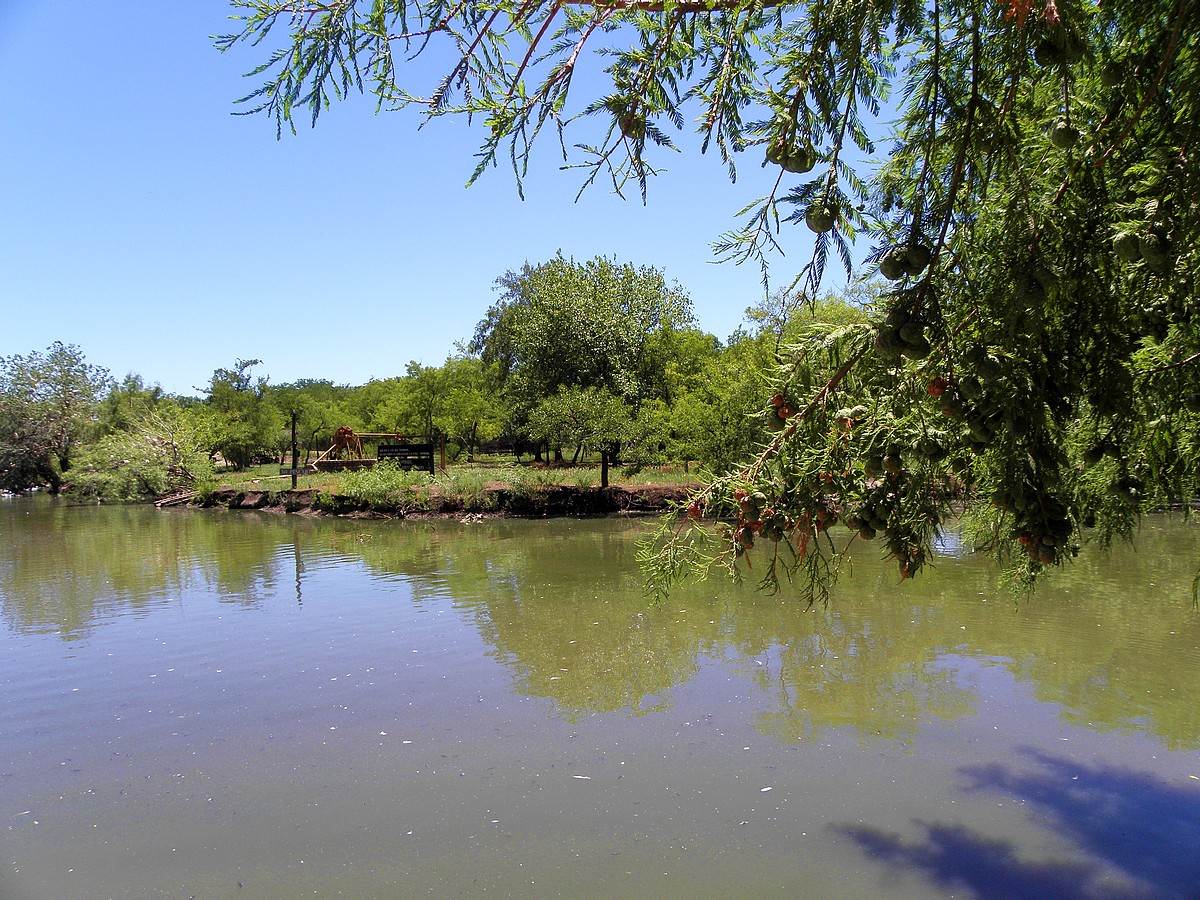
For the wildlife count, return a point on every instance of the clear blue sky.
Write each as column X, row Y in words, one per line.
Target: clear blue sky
column 167, row 237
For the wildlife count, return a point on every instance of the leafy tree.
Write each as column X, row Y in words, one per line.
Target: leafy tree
column 1035, row 355
column 780, row 320
column 717, row 418
column 409, row 405
column 161, row 449
column 321, row 407
column 598, row 325
column 126, row 400
column 424, row 399
column 471, row 411
column 681, row 357
column 373, row 405
column 591, row 418
column 246, row 421
column 456, row 399
column 567, row 324
column 48, row 404
column 712, row 420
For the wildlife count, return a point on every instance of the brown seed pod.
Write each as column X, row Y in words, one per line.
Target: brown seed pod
column 633, row 126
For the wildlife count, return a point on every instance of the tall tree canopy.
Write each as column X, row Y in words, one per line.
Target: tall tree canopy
column 599, row 324
column 1036, row 355
column 48, row 403
column 247, row 420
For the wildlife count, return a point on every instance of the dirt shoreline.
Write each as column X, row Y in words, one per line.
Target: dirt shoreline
column 496, row 501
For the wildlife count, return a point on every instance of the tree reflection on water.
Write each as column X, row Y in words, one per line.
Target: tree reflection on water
column 1114, row 641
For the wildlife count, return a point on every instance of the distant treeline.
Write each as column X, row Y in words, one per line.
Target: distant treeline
column 573, row 358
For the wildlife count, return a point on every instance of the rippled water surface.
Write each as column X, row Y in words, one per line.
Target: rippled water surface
column 218, row 704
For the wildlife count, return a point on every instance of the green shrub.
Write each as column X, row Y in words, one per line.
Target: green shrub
column 205, row 488
column 323, row 501
column 137, row 465
column 585, row 479
column 387, row 486
column 530, row 482
column 470, row 487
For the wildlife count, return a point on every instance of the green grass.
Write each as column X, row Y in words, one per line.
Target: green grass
column 466, row 480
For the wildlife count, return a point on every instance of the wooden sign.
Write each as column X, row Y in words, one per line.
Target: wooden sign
column 408, row 456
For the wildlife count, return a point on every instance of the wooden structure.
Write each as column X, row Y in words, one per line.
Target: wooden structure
column 346, row 445
column 346, row 452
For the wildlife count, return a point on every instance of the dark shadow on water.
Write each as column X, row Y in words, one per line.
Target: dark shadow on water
column 959, row 859
column 1133, row 820
column 1135, row 836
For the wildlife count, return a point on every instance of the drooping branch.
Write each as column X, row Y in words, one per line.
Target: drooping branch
column 683, row 6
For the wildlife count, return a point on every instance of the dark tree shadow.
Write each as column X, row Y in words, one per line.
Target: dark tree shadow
column 959, row 859
column 1133, row 820
column 1137, row 836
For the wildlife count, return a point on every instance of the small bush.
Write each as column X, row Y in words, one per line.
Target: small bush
column 326, row 501
column 205, row 488
column 387, row 486
column 531, row 482
column 123, row 467
column 470, row 487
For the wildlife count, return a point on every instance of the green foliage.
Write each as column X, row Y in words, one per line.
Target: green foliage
column 205, row 488
column 246, row 423
column 584, row 479
column 578, row 349
column 711, row 422
column 716, row 416
column 1034, row 353
column 125, row 401
column 530, row 482
column 327, row 501
column 160, row 451
column 471, row 411
column 646, row 440
column 320, row 406
column 378, row 406
column 386, row 486
column 424, row 399
column 48, row 405
column 564, row 324
column 470, row 487
column 591, row 418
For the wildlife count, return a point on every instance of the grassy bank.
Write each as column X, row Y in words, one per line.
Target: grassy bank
column 487, row 486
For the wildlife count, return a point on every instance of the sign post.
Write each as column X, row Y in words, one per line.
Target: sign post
column 408, row 456
column 295, row 451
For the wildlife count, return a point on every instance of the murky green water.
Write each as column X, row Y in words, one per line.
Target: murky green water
column 234, row 705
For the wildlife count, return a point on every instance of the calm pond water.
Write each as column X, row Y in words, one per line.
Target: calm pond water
column 216, row 704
